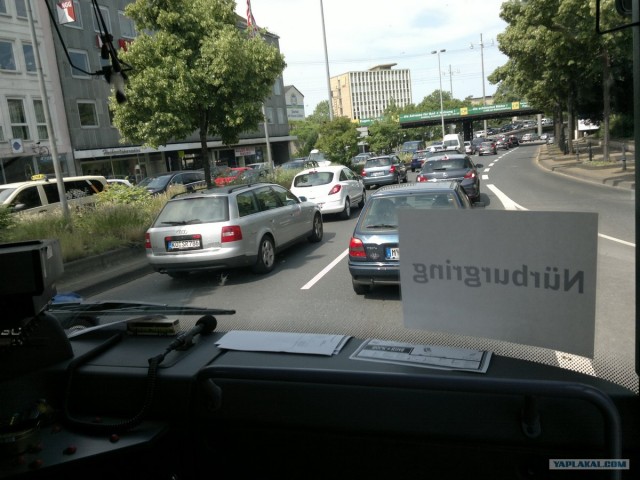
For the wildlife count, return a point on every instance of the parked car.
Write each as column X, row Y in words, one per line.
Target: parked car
column 162, row 182
column 119, row 181
column 488, row 147
column 384, row 170
column 458, row 167
column 231, row 175
column 41, row 193
column 374, row 256
column 335, row 189
column 228, row 227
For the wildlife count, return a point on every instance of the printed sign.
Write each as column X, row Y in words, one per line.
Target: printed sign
column 516, row 276
column 66, row 13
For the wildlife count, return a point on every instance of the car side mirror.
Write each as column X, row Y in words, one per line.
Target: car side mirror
column 479, row 165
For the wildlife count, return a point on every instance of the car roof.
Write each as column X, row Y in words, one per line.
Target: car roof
column 224, row 190
column 415, row 188
column 327, row 168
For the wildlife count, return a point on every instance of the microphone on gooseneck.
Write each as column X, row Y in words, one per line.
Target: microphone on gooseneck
column 204, row 326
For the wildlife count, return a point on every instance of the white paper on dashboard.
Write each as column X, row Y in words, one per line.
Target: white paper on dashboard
column 518, row 276
column 307, row 343
column 425, row 356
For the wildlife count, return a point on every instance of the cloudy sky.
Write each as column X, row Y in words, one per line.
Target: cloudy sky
column 362, row 34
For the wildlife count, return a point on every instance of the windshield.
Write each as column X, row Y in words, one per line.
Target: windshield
column 5, row 193
column 155, row 182
column 517, row 263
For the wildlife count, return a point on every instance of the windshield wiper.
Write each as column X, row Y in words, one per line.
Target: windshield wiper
column 381, row 225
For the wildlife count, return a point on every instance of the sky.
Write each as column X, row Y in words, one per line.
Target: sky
column 360, row 35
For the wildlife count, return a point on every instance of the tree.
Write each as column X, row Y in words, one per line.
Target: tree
column 557, row 60
column 339, row 140
column 196, row 71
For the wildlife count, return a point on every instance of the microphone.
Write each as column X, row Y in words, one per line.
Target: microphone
column 204, row 326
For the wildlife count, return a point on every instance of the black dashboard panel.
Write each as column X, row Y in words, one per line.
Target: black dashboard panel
column 212, row 413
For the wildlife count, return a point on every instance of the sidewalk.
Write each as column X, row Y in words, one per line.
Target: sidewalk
column 613, row 174
column 93, row 275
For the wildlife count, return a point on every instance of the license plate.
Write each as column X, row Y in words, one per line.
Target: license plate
column 392, row 253
column 183, row 245
column 377, row 174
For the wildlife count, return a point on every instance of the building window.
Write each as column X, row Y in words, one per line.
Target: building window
column 127, row 27
column 80, row 60
column 280, row 113
column 41, row 123
column 3, row 7
column 104, row 12
column 88, row 114
column 7, row 60
column 269, row 114
column 29, row 57
column 18, row 118
column 277, row 90
column 21, row 9
column 76, row 10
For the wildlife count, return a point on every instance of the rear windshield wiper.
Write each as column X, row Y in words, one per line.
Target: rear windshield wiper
column 381, row 225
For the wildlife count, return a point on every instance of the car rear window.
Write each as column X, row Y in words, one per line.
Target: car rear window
column 194, row 210
column 455, row 164
column 378, row 162
column 313, row 179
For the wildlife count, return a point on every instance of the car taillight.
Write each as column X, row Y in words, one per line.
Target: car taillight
column 421, row 178
column 356, row 248
column 335, row 189
column 470, row 174
column 147, row 240
column 232, row 233
column 363, row 173
column 392, row 169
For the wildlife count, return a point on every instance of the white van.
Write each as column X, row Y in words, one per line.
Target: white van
column 453, row 141
column 42, row 195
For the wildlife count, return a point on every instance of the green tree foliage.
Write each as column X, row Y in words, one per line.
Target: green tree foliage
column 338, row 140
column 558, row 61
column 307, row 130
column 196, row 72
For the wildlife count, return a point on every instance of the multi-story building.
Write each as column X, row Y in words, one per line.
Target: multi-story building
column 366, row 94
column 79, row 100
column 295, row 103
column 25, row 146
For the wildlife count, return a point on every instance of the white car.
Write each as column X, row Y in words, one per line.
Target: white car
column 335, row 189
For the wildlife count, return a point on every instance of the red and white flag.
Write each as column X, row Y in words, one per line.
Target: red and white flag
column 251, row 22
column 66, row 13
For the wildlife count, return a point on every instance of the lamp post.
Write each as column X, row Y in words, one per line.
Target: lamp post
column 326, row 62
column 438, row 52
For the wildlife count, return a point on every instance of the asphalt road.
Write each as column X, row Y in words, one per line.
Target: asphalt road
column 310, row 288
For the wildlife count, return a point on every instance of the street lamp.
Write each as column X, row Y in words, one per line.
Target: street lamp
column 438, row 52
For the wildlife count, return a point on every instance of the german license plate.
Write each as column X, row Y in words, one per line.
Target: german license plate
column 377, row 174
column 392, row 253
column 174, row 245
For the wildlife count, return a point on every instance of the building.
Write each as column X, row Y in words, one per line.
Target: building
column 366, row 94
column 79, row 100
column 25, row 146
column 295, row 103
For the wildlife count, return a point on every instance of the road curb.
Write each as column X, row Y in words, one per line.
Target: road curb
column 91, row 275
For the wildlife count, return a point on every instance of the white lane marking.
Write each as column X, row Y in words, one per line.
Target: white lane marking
column 506, row 201
column 486, row 169
column 324, row 271
column 614, row 239
column 485, row 177
column 511, row 205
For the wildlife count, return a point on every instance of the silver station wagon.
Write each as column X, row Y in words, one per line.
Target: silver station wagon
column 229, row 227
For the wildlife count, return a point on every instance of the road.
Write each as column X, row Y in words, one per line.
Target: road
column 310, row 288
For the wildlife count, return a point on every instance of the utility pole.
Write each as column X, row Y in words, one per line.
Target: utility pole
column 326, row 62
column 47, row 116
